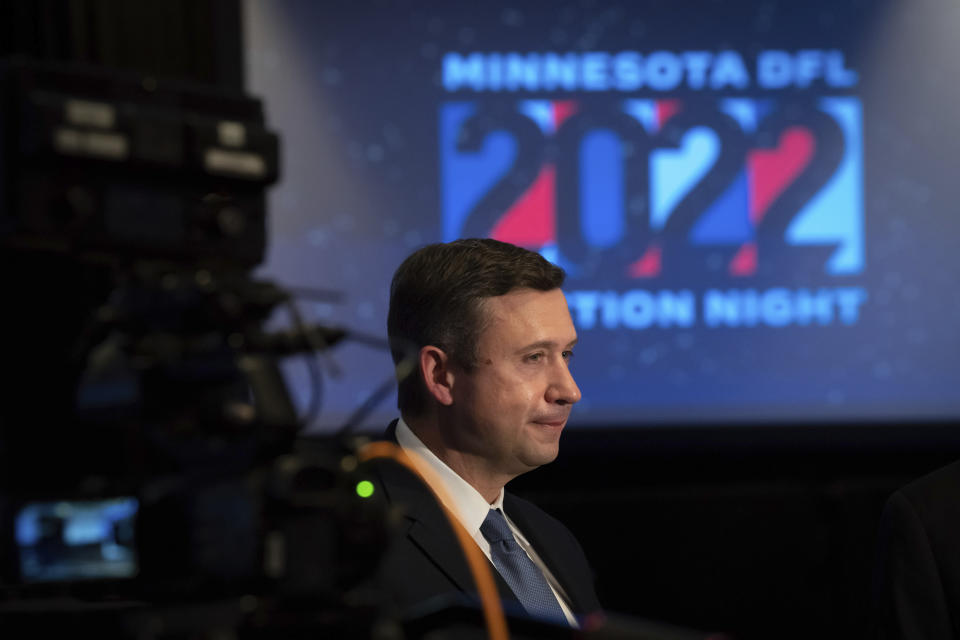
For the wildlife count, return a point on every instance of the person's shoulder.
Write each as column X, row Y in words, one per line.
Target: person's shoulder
column 396, row 480
column 931, row 501
column 935, row 486
column 390, row 433
column 916, row 571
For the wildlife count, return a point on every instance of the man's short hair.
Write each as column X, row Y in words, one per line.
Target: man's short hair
column 436, row 298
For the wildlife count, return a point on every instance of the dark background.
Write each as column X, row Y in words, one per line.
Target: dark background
column 761, row 531
column 764, row 532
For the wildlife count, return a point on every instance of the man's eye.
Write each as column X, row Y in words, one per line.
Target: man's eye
column 535, row 357
column 568, row 355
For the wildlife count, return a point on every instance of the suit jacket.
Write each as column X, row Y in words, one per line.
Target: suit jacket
column 425, row 563
column 917, row 581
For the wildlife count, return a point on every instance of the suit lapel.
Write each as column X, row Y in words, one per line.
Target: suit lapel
column 549, row 551
column 430, row 532
column 428, row 528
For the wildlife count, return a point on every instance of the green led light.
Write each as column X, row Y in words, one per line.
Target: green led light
column 364, row 488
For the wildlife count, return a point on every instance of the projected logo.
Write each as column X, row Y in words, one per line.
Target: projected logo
column 658, row 189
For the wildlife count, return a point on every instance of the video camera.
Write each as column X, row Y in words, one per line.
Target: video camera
column 150, row 472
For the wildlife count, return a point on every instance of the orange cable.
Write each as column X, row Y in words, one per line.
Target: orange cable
column 479, row 566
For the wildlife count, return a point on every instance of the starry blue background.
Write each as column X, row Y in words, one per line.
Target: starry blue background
column 354, row 90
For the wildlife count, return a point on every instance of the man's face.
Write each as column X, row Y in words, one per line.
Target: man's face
column 511, row 407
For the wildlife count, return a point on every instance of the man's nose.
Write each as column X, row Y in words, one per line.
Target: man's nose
column 563, row 388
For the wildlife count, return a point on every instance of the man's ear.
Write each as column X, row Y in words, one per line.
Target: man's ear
column 437, row 376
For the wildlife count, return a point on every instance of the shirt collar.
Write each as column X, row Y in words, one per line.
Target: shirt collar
column 469, row 506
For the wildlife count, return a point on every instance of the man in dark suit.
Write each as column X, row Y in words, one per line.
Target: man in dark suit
column 917, row 581
column 489, row 334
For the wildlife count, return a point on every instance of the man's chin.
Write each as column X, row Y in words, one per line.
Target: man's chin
column 541, row 454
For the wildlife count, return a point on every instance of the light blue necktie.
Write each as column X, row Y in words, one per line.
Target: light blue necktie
column 523, row 576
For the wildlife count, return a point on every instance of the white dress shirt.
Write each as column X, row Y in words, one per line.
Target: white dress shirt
column 470, row 508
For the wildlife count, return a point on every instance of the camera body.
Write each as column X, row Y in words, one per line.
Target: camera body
column 149, row 450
